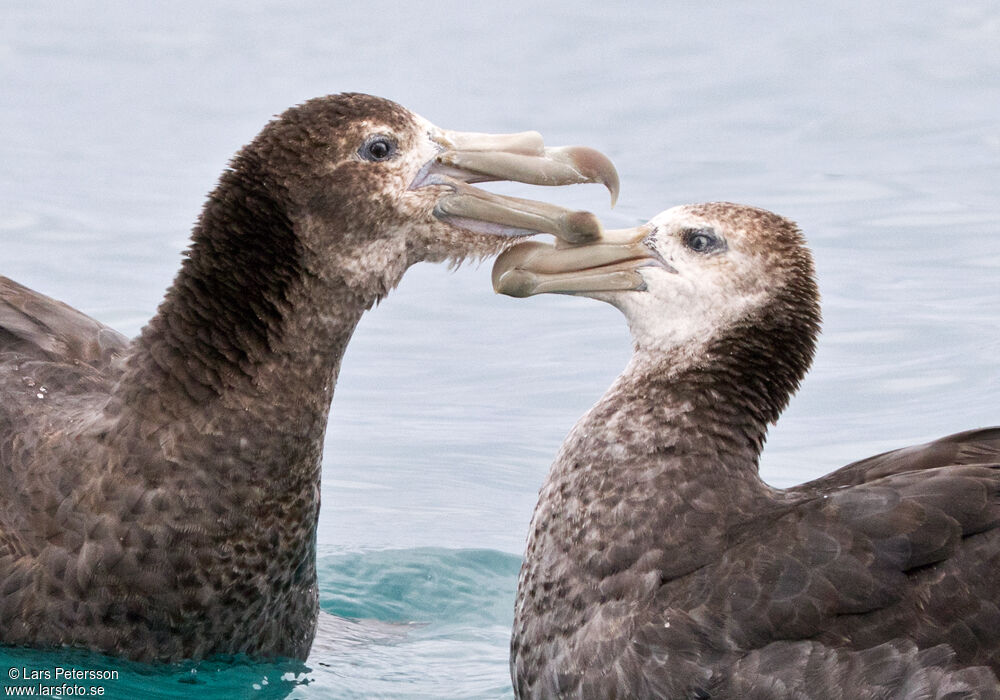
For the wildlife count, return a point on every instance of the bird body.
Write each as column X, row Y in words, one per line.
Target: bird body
column 159, row 497
column 659, row 564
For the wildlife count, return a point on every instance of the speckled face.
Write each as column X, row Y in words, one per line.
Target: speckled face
column 383, row 187
column 716, row 271
column 682, row 279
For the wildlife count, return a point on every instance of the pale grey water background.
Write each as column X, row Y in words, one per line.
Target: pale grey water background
column 875, row 125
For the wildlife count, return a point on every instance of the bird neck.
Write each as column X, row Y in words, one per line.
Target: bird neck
column 700, row 414
column 662, row 425
column 248, row 341
column 715, row 406
column 666, row 463
column 650, row 484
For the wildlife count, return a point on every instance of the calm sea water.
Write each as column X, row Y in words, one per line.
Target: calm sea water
column 875, row 125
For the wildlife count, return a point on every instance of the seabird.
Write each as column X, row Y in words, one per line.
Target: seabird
column 658, row 562
column 159, row 497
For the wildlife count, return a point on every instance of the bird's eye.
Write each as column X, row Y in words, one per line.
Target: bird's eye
column 378, row 148
column 702, row 240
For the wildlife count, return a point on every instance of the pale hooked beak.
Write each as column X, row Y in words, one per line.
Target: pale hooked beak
column 467, row 158
column 608, row 264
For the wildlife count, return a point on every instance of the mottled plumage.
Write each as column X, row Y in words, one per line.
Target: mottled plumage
column 159, row 498
column 658, row 562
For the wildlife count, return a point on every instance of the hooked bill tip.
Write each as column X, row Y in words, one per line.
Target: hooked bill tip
column 596, row 167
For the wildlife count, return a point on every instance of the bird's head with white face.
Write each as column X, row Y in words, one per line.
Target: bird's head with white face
column 714, row 287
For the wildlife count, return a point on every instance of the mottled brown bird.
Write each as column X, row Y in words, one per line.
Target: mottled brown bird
column 159, row 497
column 659, row 564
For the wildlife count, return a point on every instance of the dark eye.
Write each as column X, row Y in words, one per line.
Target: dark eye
column 702, row 240
column 378, row 148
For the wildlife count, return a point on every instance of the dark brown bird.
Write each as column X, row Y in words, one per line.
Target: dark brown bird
column 159, row 497
column 659, row 564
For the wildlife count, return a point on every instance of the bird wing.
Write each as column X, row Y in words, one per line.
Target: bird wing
column 57, row 366
column 981, row 446
column 859, row 549
column 911, row 555
column 38, row 327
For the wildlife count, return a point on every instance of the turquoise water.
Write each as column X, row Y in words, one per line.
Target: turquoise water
column 874, row 125
column 395, row 623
